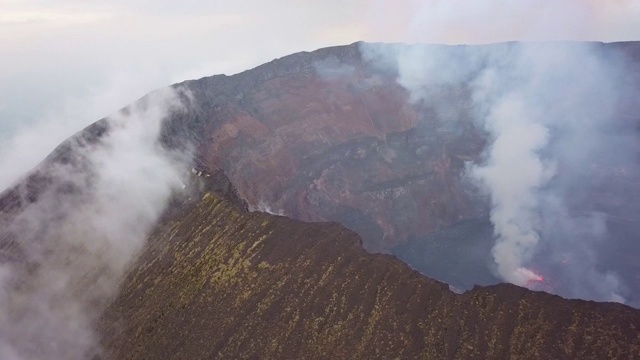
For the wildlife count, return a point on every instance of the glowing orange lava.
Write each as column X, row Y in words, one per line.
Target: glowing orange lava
column 540, row 283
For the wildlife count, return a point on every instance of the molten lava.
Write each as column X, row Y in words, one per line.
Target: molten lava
column 540, row 282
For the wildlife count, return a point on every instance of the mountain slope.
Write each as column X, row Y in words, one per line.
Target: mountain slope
column 317, row 137
column 216, row 281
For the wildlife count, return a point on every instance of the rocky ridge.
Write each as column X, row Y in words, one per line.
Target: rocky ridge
column 216, row 281
column 322, row 137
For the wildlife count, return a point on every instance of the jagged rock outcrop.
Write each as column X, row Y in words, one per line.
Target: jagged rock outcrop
column 216, row 281
column 324, row 136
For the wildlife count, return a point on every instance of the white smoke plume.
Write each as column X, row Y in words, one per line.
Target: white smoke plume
column 549, row 110
column 75, row 241
column 265, row 208
column 514, row 175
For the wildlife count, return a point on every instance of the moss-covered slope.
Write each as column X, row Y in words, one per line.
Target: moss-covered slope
column 218, row 282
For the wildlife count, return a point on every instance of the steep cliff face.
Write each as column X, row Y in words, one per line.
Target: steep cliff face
column 323, row 136
column 329, row 136
column 216, row 281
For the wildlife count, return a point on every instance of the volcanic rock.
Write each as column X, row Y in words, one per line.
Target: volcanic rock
column 325, row 138
column 216, row 281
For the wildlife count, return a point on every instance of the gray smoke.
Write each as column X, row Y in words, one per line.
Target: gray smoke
column 75, row 241
column 549, row 110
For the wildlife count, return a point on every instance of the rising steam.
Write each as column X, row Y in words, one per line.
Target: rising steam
column 549, row 112
column 75, row 241
column 514, row 174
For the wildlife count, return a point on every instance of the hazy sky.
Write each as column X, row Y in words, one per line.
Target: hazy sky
column 66, row 63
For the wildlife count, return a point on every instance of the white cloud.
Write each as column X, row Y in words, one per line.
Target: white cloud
column 83, row 231
column 490, row 21
column 30, row 142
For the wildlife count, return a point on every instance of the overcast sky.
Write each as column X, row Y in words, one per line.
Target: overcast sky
column 66, row 63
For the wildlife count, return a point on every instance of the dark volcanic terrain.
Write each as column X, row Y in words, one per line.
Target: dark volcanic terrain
column 360, row 174
column 216, row 281
column 322, row 136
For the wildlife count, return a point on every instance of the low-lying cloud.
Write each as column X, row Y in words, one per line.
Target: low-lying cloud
column 74, row 243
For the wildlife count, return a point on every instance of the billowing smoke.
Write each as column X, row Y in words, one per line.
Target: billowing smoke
column 549, row 111
column 66, row 252
column 513, row 175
